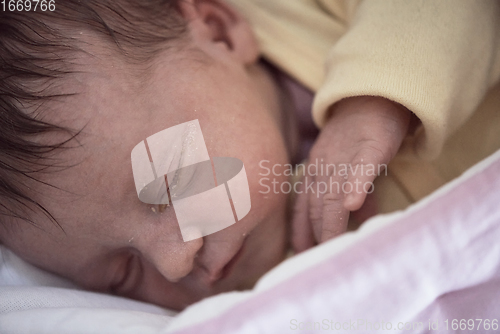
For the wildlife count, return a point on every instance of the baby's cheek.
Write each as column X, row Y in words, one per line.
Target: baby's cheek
column 266, row 196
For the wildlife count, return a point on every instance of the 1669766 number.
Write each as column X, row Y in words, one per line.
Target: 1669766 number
column 28, row 5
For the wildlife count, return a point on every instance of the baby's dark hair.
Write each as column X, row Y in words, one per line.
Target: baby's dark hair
column 35, row 54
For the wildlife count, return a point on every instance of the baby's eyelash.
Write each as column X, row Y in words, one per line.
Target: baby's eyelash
column 159, row 208
column 162, row 207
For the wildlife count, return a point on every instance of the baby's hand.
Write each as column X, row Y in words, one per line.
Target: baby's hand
column 362, row 133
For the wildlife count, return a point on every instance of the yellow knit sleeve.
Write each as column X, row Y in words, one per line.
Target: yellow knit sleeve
column 437, row 58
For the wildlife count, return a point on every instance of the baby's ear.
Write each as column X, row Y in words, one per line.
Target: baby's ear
column 215, row 22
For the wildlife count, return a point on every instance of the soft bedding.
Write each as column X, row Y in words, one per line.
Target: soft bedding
column 420, row 271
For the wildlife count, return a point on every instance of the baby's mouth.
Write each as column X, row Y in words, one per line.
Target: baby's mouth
column 228, row 268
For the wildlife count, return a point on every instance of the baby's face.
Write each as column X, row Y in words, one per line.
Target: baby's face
column 114, row 242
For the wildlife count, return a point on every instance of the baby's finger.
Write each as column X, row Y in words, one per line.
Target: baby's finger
column 315, row 204
column 334, row 215
column 335, row 218
column 301, row 235
column 326, row 211
column 359, row 184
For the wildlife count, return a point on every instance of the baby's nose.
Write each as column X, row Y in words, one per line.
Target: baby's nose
column 175, row 260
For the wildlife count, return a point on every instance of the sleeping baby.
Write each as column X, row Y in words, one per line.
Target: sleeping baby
column 83, row 84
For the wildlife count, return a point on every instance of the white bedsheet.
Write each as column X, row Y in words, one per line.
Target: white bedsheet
column 439, row 260
column 35, row 301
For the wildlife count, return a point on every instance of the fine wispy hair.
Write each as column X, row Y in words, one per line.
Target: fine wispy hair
column 36, row 49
